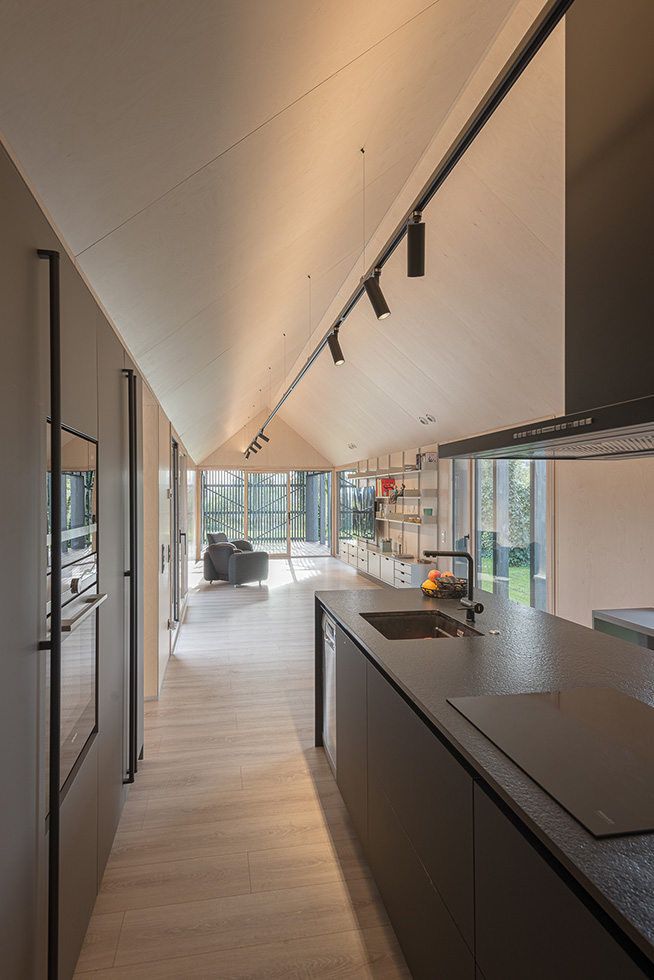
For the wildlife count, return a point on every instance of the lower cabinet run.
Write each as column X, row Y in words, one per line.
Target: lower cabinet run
column 468, row 894
column 420, row 837
column 529, row 923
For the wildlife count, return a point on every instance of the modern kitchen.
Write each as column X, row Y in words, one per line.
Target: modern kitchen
column 473, row 734
column 496, row 760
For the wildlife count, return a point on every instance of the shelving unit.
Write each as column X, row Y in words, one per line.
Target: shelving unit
column 407, row 514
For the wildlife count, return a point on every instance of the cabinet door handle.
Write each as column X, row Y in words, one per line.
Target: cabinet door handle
column 163, row 558
column 92, row 603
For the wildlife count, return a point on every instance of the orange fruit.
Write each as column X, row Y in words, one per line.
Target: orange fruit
column 449, row 574
column 434, row 574
column 429, row 585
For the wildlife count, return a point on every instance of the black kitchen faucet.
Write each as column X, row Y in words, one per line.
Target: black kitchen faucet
column 470, row 605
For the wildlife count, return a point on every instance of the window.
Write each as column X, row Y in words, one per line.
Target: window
column 356, row 509
column 508, row 526
column 509, row 529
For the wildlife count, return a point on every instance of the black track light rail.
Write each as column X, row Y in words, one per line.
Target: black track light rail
column 543, row 27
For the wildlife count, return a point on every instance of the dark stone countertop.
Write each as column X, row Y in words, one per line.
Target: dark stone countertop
column 534, row 652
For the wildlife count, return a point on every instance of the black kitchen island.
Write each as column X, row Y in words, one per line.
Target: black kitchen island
column 484, row 875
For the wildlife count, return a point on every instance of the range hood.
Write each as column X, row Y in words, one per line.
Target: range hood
column 609, row 216
column 611, row 432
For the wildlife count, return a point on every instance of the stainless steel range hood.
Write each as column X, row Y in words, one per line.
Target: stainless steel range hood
column 611, row 432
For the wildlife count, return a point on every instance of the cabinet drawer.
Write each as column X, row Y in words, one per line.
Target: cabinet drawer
column 529, row 923
column 352, row 731
column 431, row 943
column 363, row 563
column 374, row 564
column 431, row 793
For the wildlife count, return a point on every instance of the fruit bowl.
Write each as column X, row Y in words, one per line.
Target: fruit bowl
column 447, row 587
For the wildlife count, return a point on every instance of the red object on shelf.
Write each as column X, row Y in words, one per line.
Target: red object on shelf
column 385, row 486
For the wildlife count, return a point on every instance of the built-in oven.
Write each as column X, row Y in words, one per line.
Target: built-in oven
column 329, row 689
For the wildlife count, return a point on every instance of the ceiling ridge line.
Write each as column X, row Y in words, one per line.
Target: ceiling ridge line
column 256, row 129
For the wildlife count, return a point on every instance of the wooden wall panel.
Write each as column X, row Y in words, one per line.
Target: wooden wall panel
column 603, row 536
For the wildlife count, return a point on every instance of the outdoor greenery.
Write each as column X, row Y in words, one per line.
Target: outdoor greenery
column 519, row 511
column 519, row 581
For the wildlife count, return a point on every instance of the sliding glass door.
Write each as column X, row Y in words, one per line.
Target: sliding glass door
column 510, row 523
column 310, row 495
column 267, row 512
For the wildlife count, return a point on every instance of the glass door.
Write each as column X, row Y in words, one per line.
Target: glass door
column 310, row 513
column 510, row 529
column 267, row 512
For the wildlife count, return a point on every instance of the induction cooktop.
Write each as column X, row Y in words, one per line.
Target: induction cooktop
column 591, row 750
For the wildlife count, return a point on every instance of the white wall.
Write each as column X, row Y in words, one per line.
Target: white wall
column 286, row 450
column 603, row 536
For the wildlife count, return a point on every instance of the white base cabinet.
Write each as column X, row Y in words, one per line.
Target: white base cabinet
column 400, row 574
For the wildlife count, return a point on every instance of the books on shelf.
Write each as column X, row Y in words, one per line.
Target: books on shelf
column 385, row 486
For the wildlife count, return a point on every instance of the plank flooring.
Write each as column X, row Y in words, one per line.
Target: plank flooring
column 235, row 857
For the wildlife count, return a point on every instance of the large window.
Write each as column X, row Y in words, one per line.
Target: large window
column 356, row 509
column 506, row 506
column 285, row 513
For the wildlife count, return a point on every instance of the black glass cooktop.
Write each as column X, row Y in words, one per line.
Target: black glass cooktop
column 592, row 750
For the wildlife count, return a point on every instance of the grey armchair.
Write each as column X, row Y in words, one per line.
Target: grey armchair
column 219, row 537
column 223, row 562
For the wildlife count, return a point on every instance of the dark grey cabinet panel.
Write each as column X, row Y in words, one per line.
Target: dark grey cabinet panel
column 351, row 732
column 79, row 361
column 609, row 202
column 79, row 876
column 23, row 391
column 112, row 513
column 431, row 794
column 529, row 923
column 431, row 943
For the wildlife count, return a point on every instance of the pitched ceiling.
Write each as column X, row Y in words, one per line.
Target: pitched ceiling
column 202, row 160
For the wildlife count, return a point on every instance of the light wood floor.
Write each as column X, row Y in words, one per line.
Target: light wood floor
column 235, row 857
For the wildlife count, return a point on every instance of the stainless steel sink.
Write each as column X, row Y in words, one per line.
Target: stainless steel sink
column 417, row 625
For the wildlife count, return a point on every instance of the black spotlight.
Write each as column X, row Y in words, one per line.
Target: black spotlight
column 335, row 348
column 256, row 445
column 253, row 450
column 261, row 436
column 247, row 455
column 415, row 247
column 375, row 295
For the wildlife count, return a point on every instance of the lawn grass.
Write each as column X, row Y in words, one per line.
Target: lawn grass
column 519, row 581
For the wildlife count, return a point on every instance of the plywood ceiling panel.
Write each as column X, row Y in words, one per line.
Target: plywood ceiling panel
column 202, row 160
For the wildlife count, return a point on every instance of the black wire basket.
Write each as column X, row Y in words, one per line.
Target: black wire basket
column 447, row 587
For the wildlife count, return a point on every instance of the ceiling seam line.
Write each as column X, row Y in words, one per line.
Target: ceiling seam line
column 256, row 129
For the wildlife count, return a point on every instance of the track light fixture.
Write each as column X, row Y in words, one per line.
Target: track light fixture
column 335, row 348
column 261, row 436
column 247, row 454
column 375, row 295
column 253, row 450
column 415, row 246
column 256, row 445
